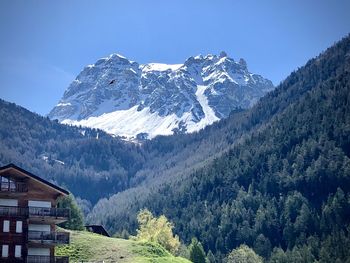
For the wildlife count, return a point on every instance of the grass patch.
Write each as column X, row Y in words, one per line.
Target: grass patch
column 148, row 249
column 86, row 246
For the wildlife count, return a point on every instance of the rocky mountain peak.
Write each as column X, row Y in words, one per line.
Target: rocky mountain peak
column 125, row 98
column 222, row 54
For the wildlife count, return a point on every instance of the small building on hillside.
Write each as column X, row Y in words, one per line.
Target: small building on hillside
column 97, row 229
column 28, row 217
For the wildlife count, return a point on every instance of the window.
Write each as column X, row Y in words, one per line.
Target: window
column 4, row 184
column 18, row 251
column 5, row 251
column 19, row 226
column 6, row 226
column 7, row 184
column 12, row 186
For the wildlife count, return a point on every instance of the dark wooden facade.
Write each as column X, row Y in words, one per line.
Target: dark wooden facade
column 28, row 217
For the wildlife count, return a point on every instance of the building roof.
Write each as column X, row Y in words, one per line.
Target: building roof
column 35, row 177
column 98, row 229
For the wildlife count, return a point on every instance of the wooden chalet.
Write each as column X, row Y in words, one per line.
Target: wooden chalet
column 28, row 217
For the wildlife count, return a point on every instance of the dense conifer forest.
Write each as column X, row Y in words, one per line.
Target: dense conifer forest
column 275, row 177
column 283, row 187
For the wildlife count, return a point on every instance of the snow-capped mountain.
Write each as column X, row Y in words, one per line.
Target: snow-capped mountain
column 133, row 100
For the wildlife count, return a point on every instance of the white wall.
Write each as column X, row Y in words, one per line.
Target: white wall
column 43, row 228
column 34, row 251
column 39, row 203
column 9, row 202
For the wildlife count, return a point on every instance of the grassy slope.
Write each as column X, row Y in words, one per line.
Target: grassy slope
column 87, row 246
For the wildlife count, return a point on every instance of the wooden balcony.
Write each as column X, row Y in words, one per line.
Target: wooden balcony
column 49, row 211
column 47, row 259
column 53, row 214
column 49, row 214
column 48, row 238
column 13, row 211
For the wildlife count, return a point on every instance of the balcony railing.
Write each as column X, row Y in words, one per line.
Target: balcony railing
column 13, row 211
column 35, row 211
column 13, row 187
column 49, row 237
column 47, row 259
column 49, row 211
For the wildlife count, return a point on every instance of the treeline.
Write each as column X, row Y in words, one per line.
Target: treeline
column 284, row 187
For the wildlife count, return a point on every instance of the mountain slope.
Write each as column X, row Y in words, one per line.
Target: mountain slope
column 89, row 162
column 285, row 184
column 92, row 164
column 131, row 100
column 90, row 247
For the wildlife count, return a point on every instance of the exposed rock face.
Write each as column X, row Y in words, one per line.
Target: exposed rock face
column 129, row 99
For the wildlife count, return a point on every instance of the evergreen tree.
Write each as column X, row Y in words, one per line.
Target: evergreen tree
column 211, row 257
column 197, row 254
column 76, row 219
column 243, row 254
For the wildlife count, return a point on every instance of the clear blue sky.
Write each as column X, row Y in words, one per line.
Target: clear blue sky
column 44, row 44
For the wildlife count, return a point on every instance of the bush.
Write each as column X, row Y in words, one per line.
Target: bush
column 158, row 230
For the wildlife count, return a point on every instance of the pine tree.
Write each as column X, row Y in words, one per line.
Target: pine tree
column 244, row 254
column 76, row 219
column 197, row 254
column 211, row 257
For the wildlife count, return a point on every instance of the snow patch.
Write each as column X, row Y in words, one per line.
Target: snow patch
column 62, row 104
column 131, row 122
column 58, row 161
column 210, row 116
column 115, row 55
column 45, row 158
column 160, row 67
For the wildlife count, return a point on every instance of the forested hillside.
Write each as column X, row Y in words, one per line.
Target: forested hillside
column 93, row 164
column 283, row 188
column 88, row 162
